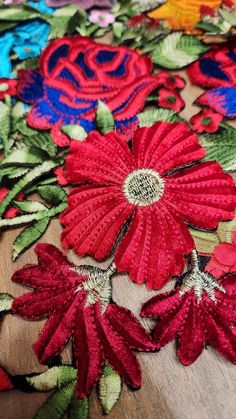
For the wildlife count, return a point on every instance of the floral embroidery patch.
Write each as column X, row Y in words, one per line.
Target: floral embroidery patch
column 74, row 74
column 152, row 187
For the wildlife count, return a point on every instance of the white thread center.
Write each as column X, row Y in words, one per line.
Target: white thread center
column 143, row 187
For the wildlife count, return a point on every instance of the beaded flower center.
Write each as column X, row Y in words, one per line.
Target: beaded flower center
column 143, row 187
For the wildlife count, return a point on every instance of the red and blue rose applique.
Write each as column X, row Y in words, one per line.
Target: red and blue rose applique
column 75, row 73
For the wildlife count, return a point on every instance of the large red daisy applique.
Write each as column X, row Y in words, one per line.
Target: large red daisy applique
column 77, row 302
column 152, row 190
column 202, row 311
column 75, row 73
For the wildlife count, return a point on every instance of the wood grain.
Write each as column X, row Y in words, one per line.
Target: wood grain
column 205, row 390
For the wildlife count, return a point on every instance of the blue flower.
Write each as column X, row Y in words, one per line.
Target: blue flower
column 26, row 41
column 41, row 6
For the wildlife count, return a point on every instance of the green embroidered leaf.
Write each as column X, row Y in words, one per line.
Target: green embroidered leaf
column 30, row 206
column 53, row 378
column 205, row 242
column 208, row 27
column 109, row 388
column 227, row 15
column 22, row 154
column 5, row 124
column 5, row 302
column 104, row 118
column 52, row 194
column 17, row 112
column 57, row 404
column 28, row 236
column 221, row 146
column 12, row 172
column 4, row 26
column 78, row 408
column 29, row 63
column 118, row 29
column 75, row 132
column 43, row 142
column 149, row 116
column 26, row 180
column 177, row 50
column 17, row 13
column 25, row 129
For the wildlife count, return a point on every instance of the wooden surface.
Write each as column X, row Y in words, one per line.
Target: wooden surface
column 205, row 390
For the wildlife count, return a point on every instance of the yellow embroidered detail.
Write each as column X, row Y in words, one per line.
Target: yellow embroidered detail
column 182, row 14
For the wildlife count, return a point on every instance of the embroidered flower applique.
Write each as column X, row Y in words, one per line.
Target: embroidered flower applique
column 77, row 302
column 223, row 259
column 206, row 121
column 216, row 70
column 202, row 311
column 170, row 99
column 153, row 190
column 75, row 73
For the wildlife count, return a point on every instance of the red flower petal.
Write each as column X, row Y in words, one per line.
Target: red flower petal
column 94, row 224
column 118, row 353
column 192, row 338
column 126, row 324
column 161, row 305
column 88, row 351
column 57, row 331
column 5, row 382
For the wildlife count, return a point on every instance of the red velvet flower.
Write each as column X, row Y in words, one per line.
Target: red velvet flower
column 75, row 73
column 137, row 20
column 206, row 121
column 152, row 189
column 200, row 312
column 171, row 99
column 5, row 382
column 7, row 87
column 170, row 81
column 223, row 259
column 11, row 212
column 77, row 304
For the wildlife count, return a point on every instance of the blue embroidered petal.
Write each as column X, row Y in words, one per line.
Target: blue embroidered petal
column 221, row 99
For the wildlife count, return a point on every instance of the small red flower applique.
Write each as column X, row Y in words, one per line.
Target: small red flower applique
column 207, row 11
column 152, row 190
column 171, row 99
column 7, row 87
column 206, row 121
column 75, row 73
column 170, row 81
column 77, row 302
column 223, row 259
column 202, row 311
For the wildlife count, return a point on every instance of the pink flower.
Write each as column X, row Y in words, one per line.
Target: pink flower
column 206, row 121
column 102, row 18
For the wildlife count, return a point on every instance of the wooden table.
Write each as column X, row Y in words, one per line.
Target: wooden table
column 205, row 390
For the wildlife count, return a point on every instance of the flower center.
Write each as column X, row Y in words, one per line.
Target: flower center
column 206, row 121
column 143, row 187
column 200, row 281
column 98, row 284
column 171, row 99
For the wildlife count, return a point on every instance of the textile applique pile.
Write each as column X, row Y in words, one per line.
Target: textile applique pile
column 95, row 132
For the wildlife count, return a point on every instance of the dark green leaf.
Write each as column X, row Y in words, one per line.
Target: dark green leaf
column 57, row 404
column 5, row 124
column 43, row 142
column 28, row 236
column 52, row 194
column 78, row 409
